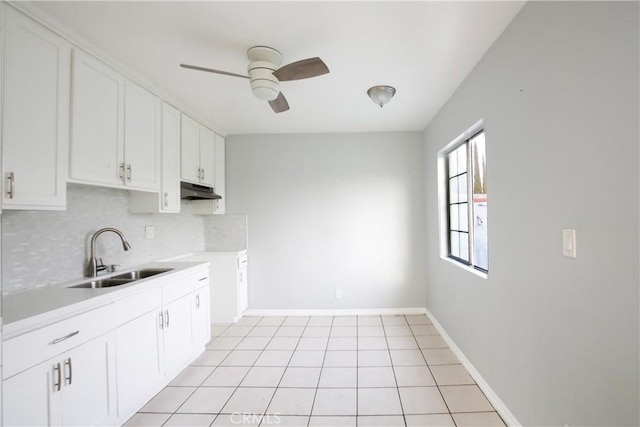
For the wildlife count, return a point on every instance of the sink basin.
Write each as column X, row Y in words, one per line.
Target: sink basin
column 141, row 274
column 122, row 279
column 103, row 283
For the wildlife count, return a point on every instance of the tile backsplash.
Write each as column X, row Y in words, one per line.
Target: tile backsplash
column 225, row 233
column 47, row 247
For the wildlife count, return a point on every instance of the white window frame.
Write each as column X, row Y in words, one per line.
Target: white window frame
column 443, row 200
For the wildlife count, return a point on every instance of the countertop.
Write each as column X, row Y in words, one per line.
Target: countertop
column 36, row 307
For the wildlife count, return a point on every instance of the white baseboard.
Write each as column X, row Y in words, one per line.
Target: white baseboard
column 495, row 400
column 337, row 312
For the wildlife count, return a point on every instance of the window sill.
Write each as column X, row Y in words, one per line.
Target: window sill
column 466, row 267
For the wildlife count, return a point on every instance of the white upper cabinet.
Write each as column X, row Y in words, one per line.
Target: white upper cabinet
column 197, row 153
column 190, row 150
column 115, row 131
column 35, row 136
column 220, row 171
column 168, row 200
column 142, row 128
column 97, row 128
column 170, row 159
column 207, row 157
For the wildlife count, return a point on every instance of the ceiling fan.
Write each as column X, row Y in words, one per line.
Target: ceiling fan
column 265, row 74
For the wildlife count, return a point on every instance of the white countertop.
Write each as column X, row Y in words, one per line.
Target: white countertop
column 39, row 306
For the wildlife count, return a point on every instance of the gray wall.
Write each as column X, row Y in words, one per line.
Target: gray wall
column 46, row 247
column 556, row 338
column 331, row 211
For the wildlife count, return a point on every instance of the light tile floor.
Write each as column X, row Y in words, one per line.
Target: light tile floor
column 393, row 371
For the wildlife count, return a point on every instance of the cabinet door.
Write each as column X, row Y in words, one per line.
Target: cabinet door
column 201, row 320
column 87, row 397
column 207, row 157
column 170, row 200
column 243, row 290
column 35, row 136
column 32, row 398
column 141, row 138
column 177, row 334
column 97, row 131
column 220, row 207
column 190, row 150
column 138, row 360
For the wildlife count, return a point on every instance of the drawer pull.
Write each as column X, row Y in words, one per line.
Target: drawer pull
column 202, row 279
column 66, row 337
column 57, row 377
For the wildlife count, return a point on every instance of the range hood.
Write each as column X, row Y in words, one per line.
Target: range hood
column 191, row 191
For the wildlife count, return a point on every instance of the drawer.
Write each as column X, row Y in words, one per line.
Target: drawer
column 32, row 348
column 179, row 286
column 242, row 260
column 135, row 306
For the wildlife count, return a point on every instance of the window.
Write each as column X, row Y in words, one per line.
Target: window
column 466, row 200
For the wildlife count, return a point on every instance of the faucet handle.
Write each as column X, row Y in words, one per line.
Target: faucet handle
column 112, row 268
column 100, row 265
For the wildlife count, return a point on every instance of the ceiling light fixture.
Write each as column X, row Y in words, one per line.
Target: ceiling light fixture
column 380, row 95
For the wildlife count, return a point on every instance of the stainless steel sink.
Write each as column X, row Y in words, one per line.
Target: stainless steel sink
column 122, row 279
column 141, row 274
column 103, row 283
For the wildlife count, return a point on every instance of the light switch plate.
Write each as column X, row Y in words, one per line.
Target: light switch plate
column 569, row 243
column 149, row 232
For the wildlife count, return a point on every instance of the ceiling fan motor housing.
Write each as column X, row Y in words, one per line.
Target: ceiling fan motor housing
column 263, row 62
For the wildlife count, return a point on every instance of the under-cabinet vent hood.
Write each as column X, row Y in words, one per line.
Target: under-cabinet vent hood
column 190, row 191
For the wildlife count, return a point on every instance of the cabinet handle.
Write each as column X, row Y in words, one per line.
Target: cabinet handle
column 66, row 337
column 202, row 279
column 161, row 315
column 198, row 301
column 166, row 199
column 122, row 171
column 12, row 180
column 57, row 377
column 167, row 319
column 68, row 372
column 129, row 173
column 203, row 174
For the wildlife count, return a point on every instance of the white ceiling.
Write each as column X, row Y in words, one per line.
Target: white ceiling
column 423, row 49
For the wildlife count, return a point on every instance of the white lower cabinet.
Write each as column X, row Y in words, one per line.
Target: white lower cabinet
column 74, row 388
column 101, row 366
column 138, row 361
column 201, row 333
column 228, row 283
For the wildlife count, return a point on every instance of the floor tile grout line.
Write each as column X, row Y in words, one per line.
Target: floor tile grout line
column 248, row 370
column 395, row 379
column 196, row 388
column 434, row 378
column 313, row 403
column 288, row 363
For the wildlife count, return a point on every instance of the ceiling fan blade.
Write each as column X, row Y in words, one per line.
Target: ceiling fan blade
column 279, row 104
column 304, row 69
column 211, row 70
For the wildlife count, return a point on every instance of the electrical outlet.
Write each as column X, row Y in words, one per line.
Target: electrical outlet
column 149, row 232
column 338, row 293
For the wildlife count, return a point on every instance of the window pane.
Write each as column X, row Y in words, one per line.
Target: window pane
column 453, row 163
column 479, row 165
column 463, row 219
column 462, row 158
column 455, row 244
column 453, row 190
column 453, row 217
column 464, row 246
column 480, row 242
column 462, row 187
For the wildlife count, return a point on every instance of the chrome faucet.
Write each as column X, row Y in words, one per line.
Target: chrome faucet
column 93, row 262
